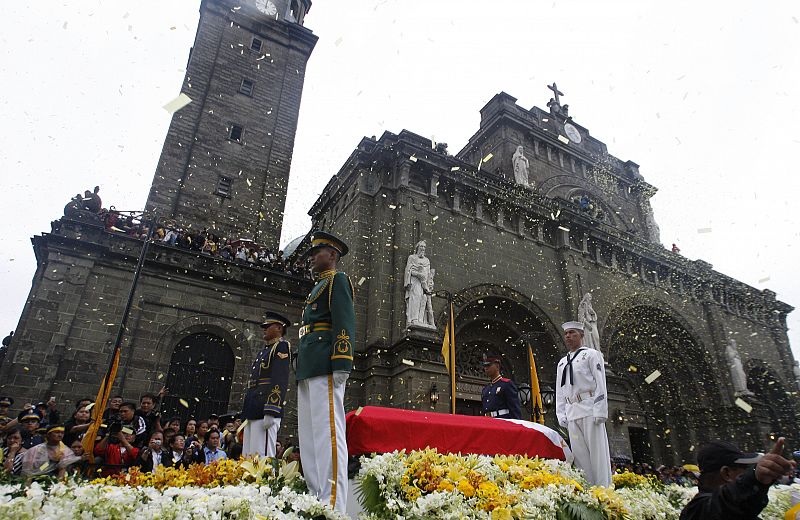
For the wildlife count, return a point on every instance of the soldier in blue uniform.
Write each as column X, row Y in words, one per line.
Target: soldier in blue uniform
column 324, row 362
column 499, row 398
column 263, row 402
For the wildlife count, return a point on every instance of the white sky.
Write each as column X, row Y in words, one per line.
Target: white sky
column 706, row 98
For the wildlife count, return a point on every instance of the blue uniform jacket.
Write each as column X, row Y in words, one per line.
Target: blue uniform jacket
column 501, row 395
column 269, row 380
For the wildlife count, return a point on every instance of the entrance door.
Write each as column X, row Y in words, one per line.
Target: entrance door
column 640, row 445
column 200, row 377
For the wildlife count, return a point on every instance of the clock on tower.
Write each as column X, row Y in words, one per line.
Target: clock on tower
column 225, row 161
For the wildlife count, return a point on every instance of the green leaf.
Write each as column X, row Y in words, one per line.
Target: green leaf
column 578, row 511
column 369, row 494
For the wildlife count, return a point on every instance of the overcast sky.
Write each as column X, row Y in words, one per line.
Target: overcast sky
column 705, row 98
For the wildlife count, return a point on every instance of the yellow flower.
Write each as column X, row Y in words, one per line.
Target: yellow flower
column 466, row 488
column 445, row 485
column 502, row 513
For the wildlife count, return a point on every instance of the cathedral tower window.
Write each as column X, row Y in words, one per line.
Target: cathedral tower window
column 255, row 45
column 246, row 87
column 224, row 187
column 236, row 133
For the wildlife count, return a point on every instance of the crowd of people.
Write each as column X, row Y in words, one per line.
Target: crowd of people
column 36, row 442
column 203, row 241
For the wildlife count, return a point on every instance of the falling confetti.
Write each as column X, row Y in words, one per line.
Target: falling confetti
column 704, row 230
column 487, row 158
column 744, row 405
column 361, row 281
column 563, row 139
column 184, row 403
column 764, row 280
column 652, row 377
column 408, row 362
column 178, row 103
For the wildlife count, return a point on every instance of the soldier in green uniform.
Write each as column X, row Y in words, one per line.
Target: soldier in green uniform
column 269, row 379
column 324, row 362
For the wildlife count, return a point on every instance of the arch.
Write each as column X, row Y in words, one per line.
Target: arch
column 500, row 321
column 772, row 397
column 642, row 336
column 200, row 376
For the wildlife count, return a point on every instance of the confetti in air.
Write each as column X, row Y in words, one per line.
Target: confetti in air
column 184, row 403
column 652, row 377
column 563, row 139
column 488, row 157
column 178, row 103
column 704, row 230
column 744, row 405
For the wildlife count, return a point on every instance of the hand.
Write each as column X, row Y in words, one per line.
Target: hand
column 51, row 403
column 145, row 453
column 340, row 378
column 13, row 446
column 599, row 420
column 563, row 424
column 773, row 466
column 164, row 391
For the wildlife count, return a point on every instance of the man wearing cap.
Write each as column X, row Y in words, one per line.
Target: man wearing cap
column 582, row 405
column 50, row 457
column 269, row 379
column 734, row 484
column 499, row 398
column 30, row 421
column 324, row 362
column 5, row 404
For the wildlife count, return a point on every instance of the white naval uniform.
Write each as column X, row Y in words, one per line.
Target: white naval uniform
column 260, row 441
column 581, row 399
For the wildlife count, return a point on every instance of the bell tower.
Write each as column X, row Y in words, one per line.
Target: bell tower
column 226, row 158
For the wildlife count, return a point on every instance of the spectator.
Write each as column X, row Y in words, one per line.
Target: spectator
column 730, row 486
column 150, row 457
column 13, row 451
column 241, row 255
column 77, row 425
column 174, row 423
column 5, row 404
column 117, row 450
column 191, row 428
column 202, row 431
column 48, row 413
column 128, row 417
column 111, row 413
column 80, row 466
column 211, row 452
column 50, row 457
column 148, row 410
column 174, row 456
column 30, row 421
column 213, row 421
column 169, row 433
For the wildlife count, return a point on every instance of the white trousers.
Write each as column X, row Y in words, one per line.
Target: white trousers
column 323, row 444
column 257, row 440
column 589, row 444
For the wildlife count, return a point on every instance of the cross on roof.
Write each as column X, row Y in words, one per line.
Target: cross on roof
column 556, row 92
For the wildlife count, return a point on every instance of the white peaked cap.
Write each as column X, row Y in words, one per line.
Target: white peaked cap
column 572, row 325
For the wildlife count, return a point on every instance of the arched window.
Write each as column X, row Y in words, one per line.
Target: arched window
column 200, row 376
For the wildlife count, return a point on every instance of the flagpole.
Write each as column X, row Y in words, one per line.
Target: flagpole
column 452, row 357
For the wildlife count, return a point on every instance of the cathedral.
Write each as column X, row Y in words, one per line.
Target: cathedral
column 533, row 222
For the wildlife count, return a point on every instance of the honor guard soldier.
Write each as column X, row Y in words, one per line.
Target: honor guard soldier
column 324, row 362
column 500, row 397
column 582, row 405
column 269, row 379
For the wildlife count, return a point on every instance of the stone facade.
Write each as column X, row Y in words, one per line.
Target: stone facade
column 64, row 339
column 517, row 262
column 206, row 177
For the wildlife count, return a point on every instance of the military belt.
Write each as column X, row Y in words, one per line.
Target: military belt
column 315, row 327
column 504, row 411
column 578, row 398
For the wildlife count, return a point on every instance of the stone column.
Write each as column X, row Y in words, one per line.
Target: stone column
column 434, row 185
column 456, row 200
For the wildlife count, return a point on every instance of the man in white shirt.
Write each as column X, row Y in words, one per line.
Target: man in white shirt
column 582, row 405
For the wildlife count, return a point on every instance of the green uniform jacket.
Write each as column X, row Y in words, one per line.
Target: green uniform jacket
column 329, row 349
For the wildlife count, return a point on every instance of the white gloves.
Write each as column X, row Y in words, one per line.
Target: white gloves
column 340, row 378
column 563, row 424
column 269, row 420
column 599, row 420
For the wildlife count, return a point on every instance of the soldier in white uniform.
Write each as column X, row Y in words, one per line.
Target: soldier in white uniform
column 582, row 405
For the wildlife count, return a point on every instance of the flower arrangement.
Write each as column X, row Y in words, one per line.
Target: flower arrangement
column 252, row 488
column 426, row 484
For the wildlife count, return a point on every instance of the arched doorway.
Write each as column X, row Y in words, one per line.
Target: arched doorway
column 775, row 416
column 200, row 377
column 502, row 326
column 661, row 417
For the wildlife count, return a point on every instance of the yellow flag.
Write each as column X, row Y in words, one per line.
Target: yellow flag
column 536, row 394
column 449, row 355
column 99, row 407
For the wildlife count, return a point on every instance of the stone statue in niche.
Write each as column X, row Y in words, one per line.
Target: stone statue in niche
column 417, row 280
column 738, row 377
column 587, row 316
column 521, row 165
